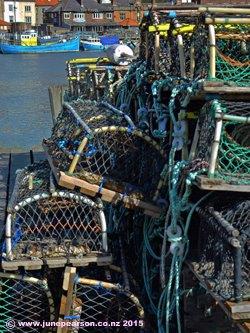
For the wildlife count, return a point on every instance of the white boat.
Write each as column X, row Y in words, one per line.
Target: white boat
column 92, row 44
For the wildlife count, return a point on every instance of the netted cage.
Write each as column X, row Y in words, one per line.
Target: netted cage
column 26, row 303
column 101, row 302
column 222, row 53
column 181, row 48
column 223, row 254
column 93, row 81
column 51, row 225
column 224, row 140
column 100, row 145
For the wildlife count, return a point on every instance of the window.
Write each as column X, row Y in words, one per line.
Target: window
column 186, row 1
column 97, row 29
column 11, row 19
column 97, row 15
column 122, row 16
column 27, row 9
column 28, row 19
column 79, row 16
column 10, row 8
column 67, row 16
column 109, row 16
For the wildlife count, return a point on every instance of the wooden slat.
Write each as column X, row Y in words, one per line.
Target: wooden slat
column 67, row 296
column 107, row 195
column 212, row 184
column 28, row 265
column 221, row 88
column 71, row 182
column 100, row 260
column 239, row 311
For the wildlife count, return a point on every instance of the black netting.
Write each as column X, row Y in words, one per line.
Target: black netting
column 224, row 261
column 49, row 224
column 115, row 153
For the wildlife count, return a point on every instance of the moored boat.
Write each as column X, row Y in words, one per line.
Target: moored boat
column 98, row 43
column 92, row 44
column 62, row 46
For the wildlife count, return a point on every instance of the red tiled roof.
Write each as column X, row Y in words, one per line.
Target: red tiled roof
column 128, row 22
column 4, row 24
column 46, row 2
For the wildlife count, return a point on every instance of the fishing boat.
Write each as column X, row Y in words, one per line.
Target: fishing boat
column 70, row 45
column 92, row 44
column 96, row 43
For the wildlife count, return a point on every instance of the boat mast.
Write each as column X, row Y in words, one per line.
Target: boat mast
column 14, row 19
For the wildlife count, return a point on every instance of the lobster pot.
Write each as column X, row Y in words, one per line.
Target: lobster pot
column 231, row 46
column 46, row 223
column 96, row 81
column 25, row 299
column 224, row 140
column 223, row 261
column 99, row 144
column 105, row 301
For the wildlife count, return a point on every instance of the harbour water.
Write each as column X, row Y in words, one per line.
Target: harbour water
column 25, row 117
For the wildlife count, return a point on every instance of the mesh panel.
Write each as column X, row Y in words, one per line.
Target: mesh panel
column 58, row 224
column 221, row 235
column 112, row 151
column 93, row 301
column 233, row 161
column 233, row 59
column 24, row 301
column 90, row 83
column 232, row 53
column 201, row 45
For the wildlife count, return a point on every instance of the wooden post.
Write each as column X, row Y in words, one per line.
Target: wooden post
column 67, row 296
column 77, row 155
column 157, row 51
column 215, row 146
column 225, row 10
column 227, row 20
column 181, row 55
column 212, row 42
column 192, row 61
column 194, row 142
column 56, row 96
column 146, row 45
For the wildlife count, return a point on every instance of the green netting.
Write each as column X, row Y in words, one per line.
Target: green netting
column 24, row 300
column 233, row 159
column 233, row 54
column 234, row 153
column 239, row 75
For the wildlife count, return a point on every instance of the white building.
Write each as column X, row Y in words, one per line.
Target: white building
column 20, row 11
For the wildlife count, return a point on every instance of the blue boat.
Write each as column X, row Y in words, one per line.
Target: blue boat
column 63, row 46
column 92, row 44
column 98, row 43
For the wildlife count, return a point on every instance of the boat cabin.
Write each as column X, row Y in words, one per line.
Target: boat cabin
column 29, row 38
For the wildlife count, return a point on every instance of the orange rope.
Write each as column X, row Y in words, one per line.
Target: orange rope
column 232, row 61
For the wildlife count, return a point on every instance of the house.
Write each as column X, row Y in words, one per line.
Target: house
column 90, row 15
column 1, row 9
column 127, row 12
column 41, row 7
column 21, row 11
column 66, row 14
column 99, row 15
column 4, row 26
